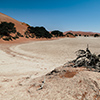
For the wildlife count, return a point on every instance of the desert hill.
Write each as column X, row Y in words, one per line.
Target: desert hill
column 13, row 30
column 20, row 27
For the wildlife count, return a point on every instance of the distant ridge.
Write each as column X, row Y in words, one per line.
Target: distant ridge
column 82, row 33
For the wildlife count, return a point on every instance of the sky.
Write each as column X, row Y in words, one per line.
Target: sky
column 62, row 15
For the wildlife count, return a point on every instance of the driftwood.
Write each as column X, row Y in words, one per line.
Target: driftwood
column 87, row 59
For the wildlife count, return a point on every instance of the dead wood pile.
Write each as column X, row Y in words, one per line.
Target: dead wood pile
column 85, row 59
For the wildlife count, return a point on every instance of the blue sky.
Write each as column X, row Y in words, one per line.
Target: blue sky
column 63, row 15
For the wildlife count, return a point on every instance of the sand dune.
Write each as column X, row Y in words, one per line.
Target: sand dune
column 19, row 26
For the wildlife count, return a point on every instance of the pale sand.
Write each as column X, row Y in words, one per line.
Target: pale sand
column 35, row 59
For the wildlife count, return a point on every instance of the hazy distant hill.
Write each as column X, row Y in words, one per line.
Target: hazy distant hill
column 82, row 33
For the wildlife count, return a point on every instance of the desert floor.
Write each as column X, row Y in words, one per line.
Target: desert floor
column 37, row 58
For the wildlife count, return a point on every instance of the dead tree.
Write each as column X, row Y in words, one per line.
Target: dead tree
column 87, row 59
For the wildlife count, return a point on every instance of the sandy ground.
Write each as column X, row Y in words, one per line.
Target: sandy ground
column 34, row 59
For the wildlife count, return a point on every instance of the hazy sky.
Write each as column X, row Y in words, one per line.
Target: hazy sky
column 63, row 15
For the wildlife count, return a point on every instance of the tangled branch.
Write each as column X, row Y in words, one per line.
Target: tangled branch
column 87, row 59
